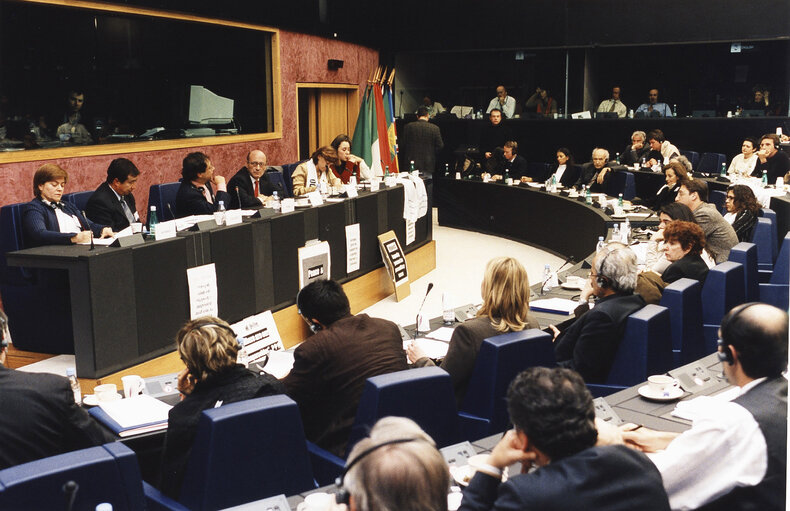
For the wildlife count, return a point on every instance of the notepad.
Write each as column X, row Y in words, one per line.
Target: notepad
column 554, row 306
column 126, row 417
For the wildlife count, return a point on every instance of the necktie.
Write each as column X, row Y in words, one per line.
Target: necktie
column 126, row 211
column 256, row 188
column 206, row 194
column 611, row 108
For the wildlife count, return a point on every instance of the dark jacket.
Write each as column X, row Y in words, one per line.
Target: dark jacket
column 689, row 267
column 744, row 224
column 235, row 384
column 629, row 156
column 40, row 224
column 243, row 181
column 664, row 196
column 39, row 418
column 516, row 168
column 589, row 176
column 776, row 166
column 190, row 200
column 494, row 136
column 104, row 208
column 569, row 177
column 421, row 142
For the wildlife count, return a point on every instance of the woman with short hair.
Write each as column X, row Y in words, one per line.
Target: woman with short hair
column 683, row 244
column 742, row 211
column 308, row 176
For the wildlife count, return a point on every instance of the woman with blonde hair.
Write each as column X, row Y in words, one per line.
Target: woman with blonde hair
column 505, row 308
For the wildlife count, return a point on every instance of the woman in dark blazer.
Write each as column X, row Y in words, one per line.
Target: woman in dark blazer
column 742, row 211
column 675, row 174
column 505, row 308
column 46, row 220
column 683, row 244
column 570, row 172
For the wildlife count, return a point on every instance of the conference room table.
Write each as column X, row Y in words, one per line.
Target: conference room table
column 128, row 303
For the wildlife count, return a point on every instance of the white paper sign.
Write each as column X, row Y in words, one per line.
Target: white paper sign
column 410, row 232
column 287, row 206
column 315, row 198
column 165, row 230
column 233, row 217
column 260, row 335
column 202, row 282
column 314, row 263
column 374, row 185
column 390, row 181
column 352, row 248
column 351, row 190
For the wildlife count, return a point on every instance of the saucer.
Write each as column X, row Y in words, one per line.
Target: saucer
column 90, row 400
column 619, row 217
column 670, row 395
column 576, row 287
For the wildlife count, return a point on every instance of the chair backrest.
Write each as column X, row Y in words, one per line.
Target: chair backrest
column 499, row 360
column 717, row 198
column 161, row 196
column 761, row 236
column 710, row 163
column 288, row 170
column 770, row 214
column 683, row 298
column 424, row 395
column 538, row 171
column 723, row 290
column 693, row 157
column 11, row 240
column 277, row 180
column 79, row 199
column 781, row 273
column 646, row 347
column 746, row 254
column 108, row 473
column 618, row 183
column 247, row 451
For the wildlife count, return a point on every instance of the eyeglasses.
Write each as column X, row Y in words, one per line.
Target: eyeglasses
column 255, row 163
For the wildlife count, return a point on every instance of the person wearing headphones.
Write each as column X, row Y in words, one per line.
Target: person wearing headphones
column 734, row 456
column 208, row 347
column 331, row 367
column 38, row 415
column 589, row 343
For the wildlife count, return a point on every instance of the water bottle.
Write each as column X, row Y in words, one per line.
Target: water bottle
column 446, row 169
column 620, row 200
column 723, row 172
column 508, row 180
column 71, row 374
column 386, row 171
column 630, row 113
column 674, row 110
column 448, row 314
column 152, row 221
column 765, row 178
column 554, row 182
column 546, row 278
column 601, row 244
column 617, row 158
column 411, row 166
column 242, row 357
column 644, row 162
column 276, row 205
column 626, row 234
column 219, row 214
column 588, row 196
column 616, row 232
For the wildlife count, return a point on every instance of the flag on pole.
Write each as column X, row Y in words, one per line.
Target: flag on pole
column 374, row 135
column 363, row 134
column 392, row 137
column 381, row 128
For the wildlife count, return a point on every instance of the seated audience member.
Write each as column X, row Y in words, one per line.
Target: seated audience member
column 683, row 244
column 505, row 308
column 492, row 140
column 655, row 258
column 674, row 175
column 347, row 164
column 614, row 104
column 734, row 457
column 588, row 345
column 541, row 103
column 72, row 128
column 502, row 102
column 565, row 171
column 434, row 107
column 596, row 173
column 758, row 101
column 555, row 441
column 775, row 162
column 660, row 149
column 514, row 164
column 719, row 235
column 309, row 176
column 113, row 201
column 422, row 141
column 636, row 150
column 38, row 415
column 742, row 211
column 743, row 164
column 208, row 347
column 397, row 467
column 48, row 221
column 196, row 196
column 331, row 367
column 249, row 188
column 653, row 108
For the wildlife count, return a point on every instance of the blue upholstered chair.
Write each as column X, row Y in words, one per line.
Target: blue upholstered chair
column 646, row 349
column 775, row 291
column 484, row 411
column 746, row 254
column 710, row 163
column 246, row 451
column 683, row 299
column 424, row 395
column 770, row 214
column 538, row 171
column 723, row 290
column 162, row 196
column 762, row 238
column 288, row 170
column 717, row 198
column 277, row 180
column 621, row 182
column 693, row 157
column 79, row 199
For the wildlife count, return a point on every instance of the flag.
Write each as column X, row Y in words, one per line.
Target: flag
column 380, row 126
column 363, row 140
column 392, row 137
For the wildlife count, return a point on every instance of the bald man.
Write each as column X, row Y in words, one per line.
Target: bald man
column 250, row 185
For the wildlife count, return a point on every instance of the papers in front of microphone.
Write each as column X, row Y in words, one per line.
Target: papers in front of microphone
column 279, row 365
column 699, row 406
column 554, row 306
column 433, row 349
column 260, row 336
column 442, row 334
column 106, row 242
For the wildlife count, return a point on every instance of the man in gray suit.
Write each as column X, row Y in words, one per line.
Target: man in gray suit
column 719, row 234
column 422, row 141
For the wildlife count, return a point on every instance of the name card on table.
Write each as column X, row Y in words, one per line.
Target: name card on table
column 202, row 281
column 374, row 185
column 395, row 262
column 165, row 230
column 352, row 248
column 315, row 198
column 287, row 206
column 260, row 335
column 390, row 181
column 233, row 217
column 314, row 262
column 351, row 191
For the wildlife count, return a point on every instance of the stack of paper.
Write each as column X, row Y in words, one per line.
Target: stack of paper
column 554, row 306
column 126, row 417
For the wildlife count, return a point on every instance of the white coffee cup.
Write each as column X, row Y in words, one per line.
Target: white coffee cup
column 319, row 501
column 660, row 384
column 133, row 385
column 105, row 393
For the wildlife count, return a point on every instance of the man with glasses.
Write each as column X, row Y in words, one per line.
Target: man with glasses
column 249, row 185
column 331, row 367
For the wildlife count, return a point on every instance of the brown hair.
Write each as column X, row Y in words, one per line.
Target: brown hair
column 326, row 152
column 46, row 173
column 505, row 291
column 207, row 346
column 679, row 169
column 699, row 186
column 743, row 198
column 688, row 234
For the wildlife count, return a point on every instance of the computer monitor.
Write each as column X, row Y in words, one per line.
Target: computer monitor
column 205, row 107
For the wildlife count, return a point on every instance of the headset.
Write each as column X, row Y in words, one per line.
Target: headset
column 312, row 325
column 3, row 328
column 343, row 496
column 602, row 280
column 725, row 354
column 218, row 325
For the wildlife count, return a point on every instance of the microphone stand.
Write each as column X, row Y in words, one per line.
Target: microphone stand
column 419, row 311
column 93, row 247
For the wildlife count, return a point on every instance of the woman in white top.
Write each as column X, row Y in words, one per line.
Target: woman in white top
column 743, row 164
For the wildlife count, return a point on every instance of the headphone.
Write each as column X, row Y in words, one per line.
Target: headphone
column 725, row 354
column 602, row 280
column 3, row 327
column 343, row 496
column 312, row 325
column 218, row 325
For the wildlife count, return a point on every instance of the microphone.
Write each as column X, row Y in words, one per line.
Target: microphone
column 419, row 311
column 570, row 260
column 70, row 489
column 88, row 227
column 238, row 196
column 170, row 209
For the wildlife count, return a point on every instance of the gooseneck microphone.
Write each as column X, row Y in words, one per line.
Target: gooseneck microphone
column 238, row 196
column 170, row 209
column 87, row 227
column 70, row 489
column 419, row 311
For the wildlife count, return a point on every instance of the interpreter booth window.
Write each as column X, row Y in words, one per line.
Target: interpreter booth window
column 77, row 76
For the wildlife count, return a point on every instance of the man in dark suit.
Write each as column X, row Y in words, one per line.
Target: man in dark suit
column 113, row 201
column 492, row 139
column 331, row 367
column 515, row 164
column 195, row 196
column 596, row 173
column 422, row 141
column 554, row 419
column 38, row 415
column 589, row 344
column 249, row 185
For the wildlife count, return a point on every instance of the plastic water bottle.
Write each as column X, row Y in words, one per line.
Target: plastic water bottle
column 386, row 171
column 554, row 182
column 723, row 172
column 620, row 200
column 617, row 158
column 601, row 244
column 152, row 221
column 765, row 178
column 446, row 169
column 219, row 214
column 674, row 110
column 276, row 204
column 630, row 113
column 71, row 374
column 546, row 278
column 448, row 313
column 626, row 234
column 616, row 232
column 242, row 357
column 411, row 166
column 644, row 162
column 588, row 196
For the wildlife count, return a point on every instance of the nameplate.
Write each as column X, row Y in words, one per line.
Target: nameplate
column 315, row 198
column 374, row 185
column 351, row 191
column 287, row 206
column 205, row 225
column 233, row 217
column 458, row 454
column 166, row 230
column 128, row 241
column 390, row 181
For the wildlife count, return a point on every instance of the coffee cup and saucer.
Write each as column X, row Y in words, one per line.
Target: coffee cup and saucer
column 661, row 388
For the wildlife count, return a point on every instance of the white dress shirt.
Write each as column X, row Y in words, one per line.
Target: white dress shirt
column 619, row 107
column 508, row 109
